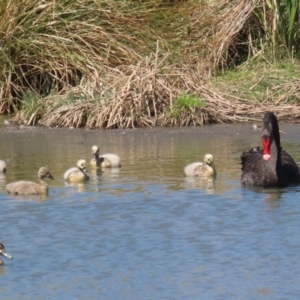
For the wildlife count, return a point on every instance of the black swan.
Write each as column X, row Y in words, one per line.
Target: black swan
column 270, row 166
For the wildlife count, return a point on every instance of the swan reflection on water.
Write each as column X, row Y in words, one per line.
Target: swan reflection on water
column 272, row 196
column 81, row 186
column 30, row 198
column 112, row 172
column 196, row 182
column 97, row 173
column 2, row 181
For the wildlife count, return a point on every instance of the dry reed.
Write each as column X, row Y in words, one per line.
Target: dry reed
column 88, row 65
column 145, row 96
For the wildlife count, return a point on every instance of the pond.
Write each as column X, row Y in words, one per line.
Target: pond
column 145, row 231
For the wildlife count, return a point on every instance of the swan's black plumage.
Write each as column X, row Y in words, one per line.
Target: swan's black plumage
column 273, row 168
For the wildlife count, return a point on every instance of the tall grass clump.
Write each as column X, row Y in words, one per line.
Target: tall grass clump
column 279, row 22
column 119, row 64
column 49, row 46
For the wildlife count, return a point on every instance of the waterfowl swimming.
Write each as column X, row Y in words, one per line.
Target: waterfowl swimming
column 108, row 160
column 96, row 160
column 29, row 187
column 3, row 166
column 270, row 166
column 77, row 174
column 4, row 253
column 204, row 170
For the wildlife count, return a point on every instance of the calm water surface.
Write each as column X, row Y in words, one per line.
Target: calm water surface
column 146, row 232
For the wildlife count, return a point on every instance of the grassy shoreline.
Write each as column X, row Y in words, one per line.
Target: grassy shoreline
column 124, row 64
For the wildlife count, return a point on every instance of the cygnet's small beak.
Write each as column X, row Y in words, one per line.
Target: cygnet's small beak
column 7, row 255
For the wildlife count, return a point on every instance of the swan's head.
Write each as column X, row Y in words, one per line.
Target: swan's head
column 3, row 252
column 44, row 173
column 269, row 133
column 81, row 164
column 95, row 150
column 209, row 159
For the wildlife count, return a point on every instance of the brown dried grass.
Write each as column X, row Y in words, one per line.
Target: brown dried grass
column 117, row 92
column 144, row 95
column 216, row 31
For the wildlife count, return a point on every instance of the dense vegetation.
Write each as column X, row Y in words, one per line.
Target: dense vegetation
column 130, row 63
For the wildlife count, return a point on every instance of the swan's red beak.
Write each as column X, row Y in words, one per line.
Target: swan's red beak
column 266, row 142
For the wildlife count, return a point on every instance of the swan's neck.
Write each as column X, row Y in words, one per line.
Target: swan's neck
column 43, row 182
column 83, row 171
column 271, row 148
column 43, row 186
column 96, row 156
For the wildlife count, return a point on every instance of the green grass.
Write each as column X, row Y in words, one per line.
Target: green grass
column 31, row 103
column 187, row 103
column 259, row 81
